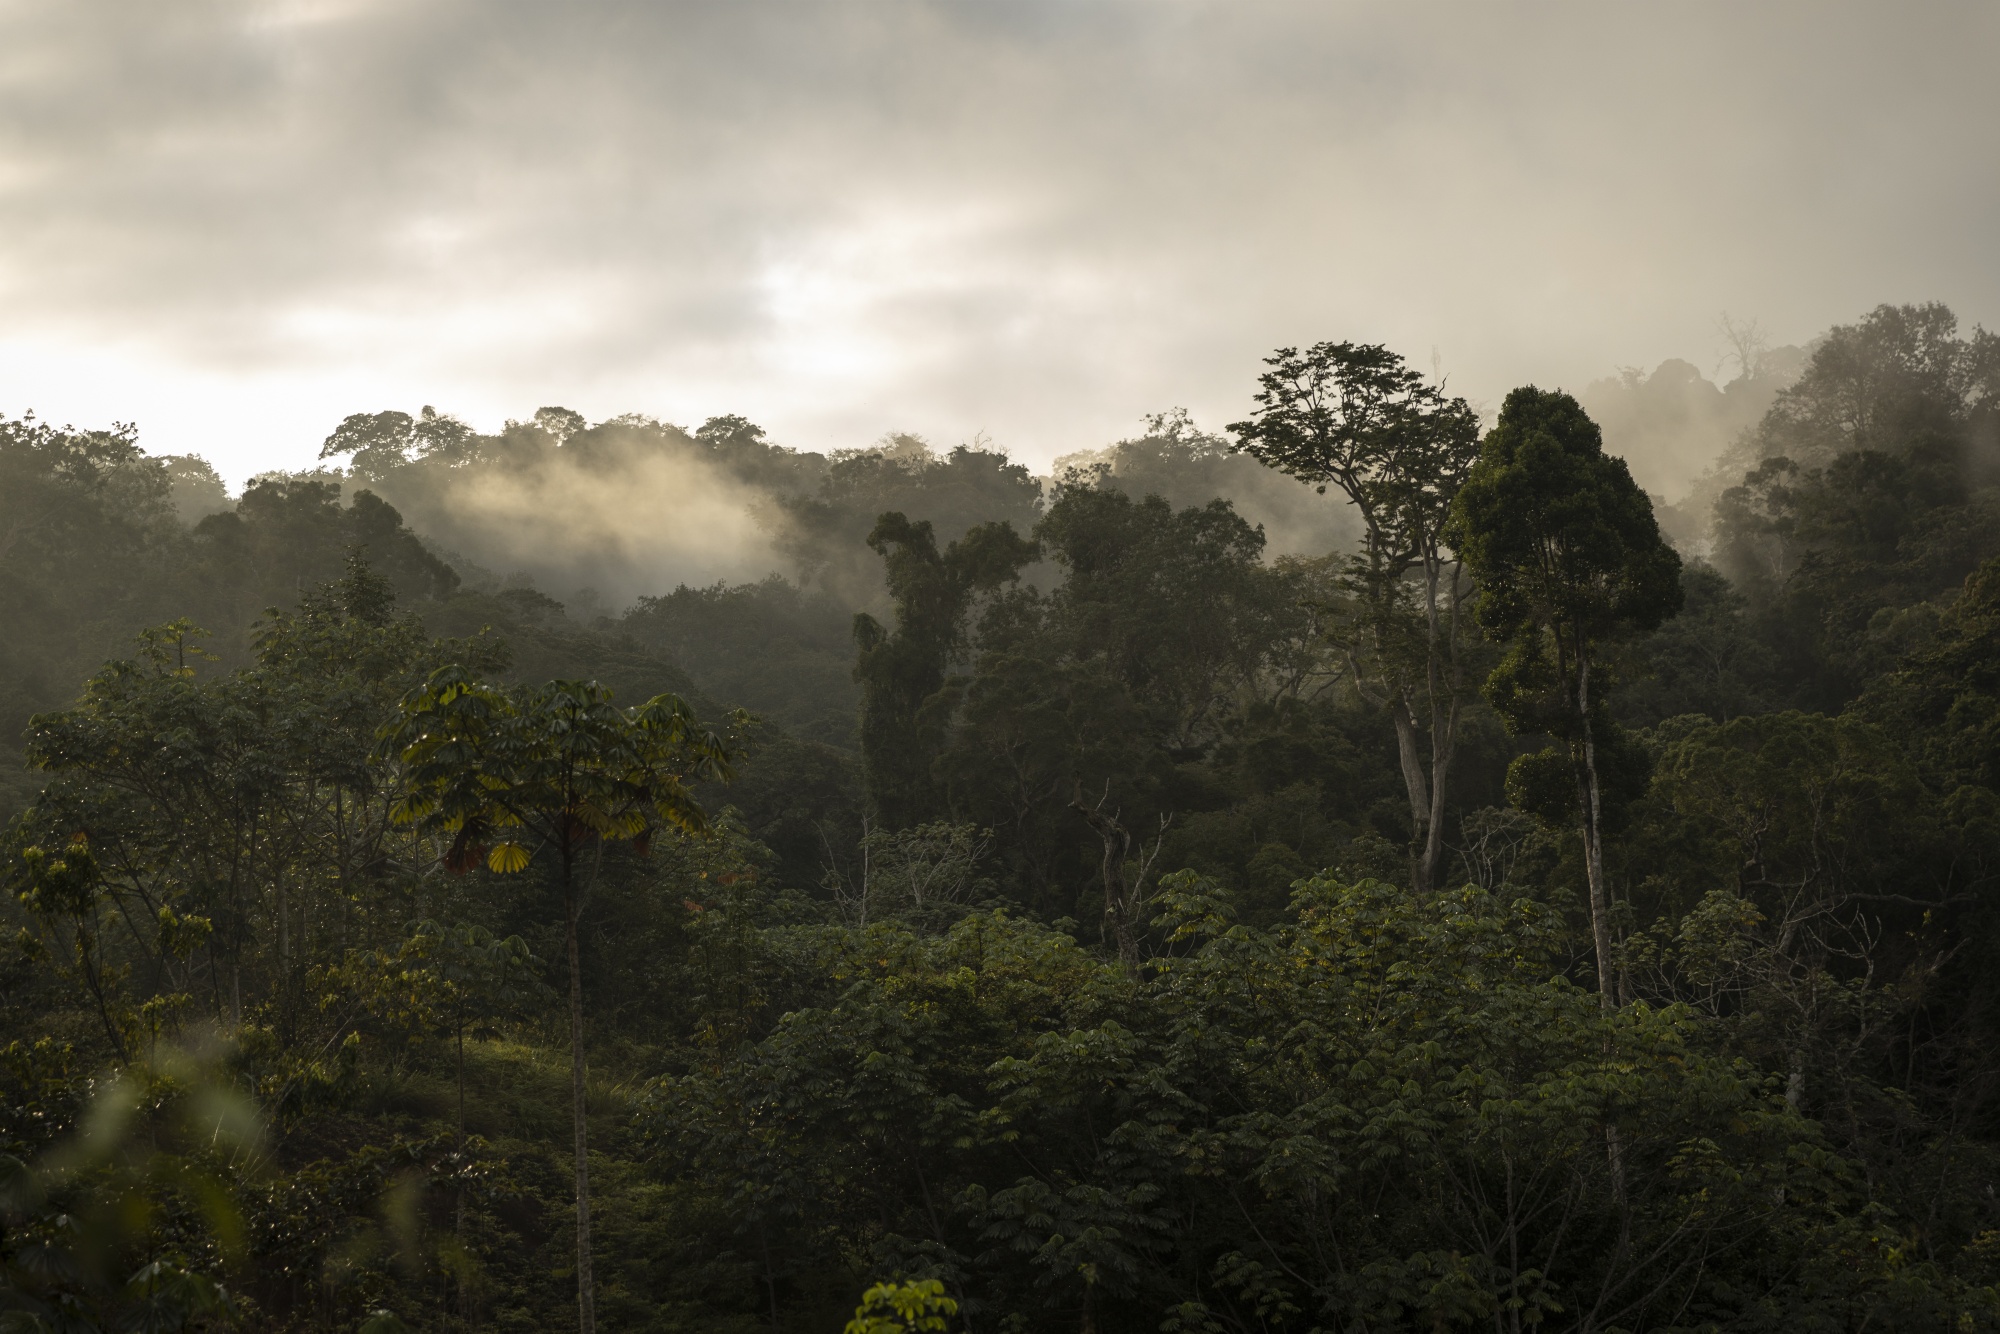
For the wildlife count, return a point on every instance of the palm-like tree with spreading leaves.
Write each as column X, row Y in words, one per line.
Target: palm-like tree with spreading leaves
column 556, row 771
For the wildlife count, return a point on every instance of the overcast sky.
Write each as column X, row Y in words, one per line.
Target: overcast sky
column 235, row 223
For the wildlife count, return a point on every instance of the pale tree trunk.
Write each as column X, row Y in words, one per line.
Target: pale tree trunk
column 1395, row 698
column 1427, row 784
column 586, row 1299
column 1600, row 901
column 458, row 1225
column 1593, row 844
column 1440, row 661
column 1117, row 900
column 1444, row 742
column 1418, row 790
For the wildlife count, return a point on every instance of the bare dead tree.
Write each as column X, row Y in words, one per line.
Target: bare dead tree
column 1122, row 896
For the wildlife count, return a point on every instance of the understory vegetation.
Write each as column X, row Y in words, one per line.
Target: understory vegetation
column 1043, row 904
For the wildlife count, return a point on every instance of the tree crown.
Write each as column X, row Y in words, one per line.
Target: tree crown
column 1556, row 531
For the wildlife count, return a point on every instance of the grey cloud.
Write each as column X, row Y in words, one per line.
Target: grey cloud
column 1039, row 219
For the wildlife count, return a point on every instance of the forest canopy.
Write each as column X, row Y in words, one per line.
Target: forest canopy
column 1373, row 868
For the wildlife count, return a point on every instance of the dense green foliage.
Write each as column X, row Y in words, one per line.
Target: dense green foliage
column 1109, row 914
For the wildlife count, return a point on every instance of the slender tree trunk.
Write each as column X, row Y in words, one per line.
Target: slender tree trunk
column 457, row 1277
column 1426, row 793
column 1444, row 745
column 770, row 1276
column 1428, row 784
column 1600, row 902
column 1415, row 788
column 85, row 943
column 1593, row 844
column 1117, row 846
column 1442, row 681
column 586, row 1297
column 458, row 1221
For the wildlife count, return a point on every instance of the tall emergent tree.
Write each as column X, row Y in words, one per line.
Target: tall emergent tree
column 1356, row 417
column 560, row 770
column 1568, row 557
column 898, row 671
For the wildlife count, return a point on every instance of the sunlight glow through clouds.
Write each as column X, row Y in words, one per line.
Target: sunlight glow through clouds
column 867, row 302
column 175, row 404
column 238, row 221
